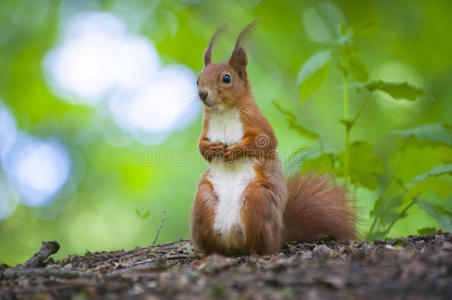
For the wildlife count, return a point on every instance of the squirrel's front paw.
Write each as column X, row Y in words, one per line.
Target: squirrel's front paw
column 230, row 154
column 215, row 149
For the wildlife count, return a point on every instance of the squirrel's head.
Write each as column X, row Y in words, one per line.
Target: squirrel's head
column 221, row 85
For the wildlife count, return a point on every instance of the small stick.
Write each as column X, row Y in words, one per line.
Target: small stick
column 15, row 273
column 172, row 243
column 183, row 256
column 38, row 259
column 160, row 228
column 140, row 251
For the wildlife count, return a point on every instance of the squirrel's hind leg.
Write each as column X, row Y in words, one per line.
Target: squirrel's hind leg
column 262, row 218
column 203, row 218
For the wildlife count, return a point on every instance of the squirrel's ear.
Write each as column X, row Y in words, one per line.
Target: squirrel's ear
column 208, row 52
column 239, row 58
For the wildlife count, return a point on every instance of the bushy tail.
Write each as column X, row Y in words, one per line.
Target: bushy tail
column 316, row 209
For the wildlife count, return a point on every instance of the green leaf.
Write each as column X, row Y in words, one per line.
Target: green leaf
column 297, row 160
column 313, row 83
column 367, row 29
column 321, row 20
column 354, row 65
column 429, row 133
column 448, row 127
column 385, row 209
column 379, row 235
column 346, row 37
column 436, row 211
column 294, row 164
column 442, row 188
column 426, row 230
column 390, row 216
column 363, row 165
column 189, row 249
column 444, row 154
column 140, row 215
column 436, row 171
column 313, row 73
column 397, row 90
column 293, row 124
column 346, row 123
column 321, row 164
column 312, row 65
column 443, row 211
column 342, row 29
column 378, row 207
column 357, row 69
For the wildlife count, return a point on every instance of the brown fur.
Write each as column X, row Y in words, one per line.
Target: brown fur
column 262, row 217
column 272, row 212
column 208, row 52
column 202, row 216
column 316, row 209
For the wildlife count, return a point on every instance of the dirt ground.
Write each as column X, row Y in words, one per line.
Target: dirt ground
column 416, row 267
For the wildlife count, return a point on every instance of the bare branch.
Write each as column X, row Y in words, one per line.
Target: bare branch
column 38, row 259
column 160, row 228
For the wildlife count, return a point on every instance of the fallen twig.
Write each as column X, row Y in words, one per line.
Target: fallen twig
column 160, row 228
column 149, row 265
column 62, row 273
column 38, row 259
column 139, row 251
column 172, row 243
column 182, row 256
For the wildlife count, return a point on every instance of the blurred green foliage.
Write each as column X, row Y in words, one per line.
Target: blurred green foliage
column 361, row 89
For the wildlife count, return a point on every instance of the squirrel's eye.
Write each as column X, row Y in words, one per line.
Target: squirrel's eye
column 227, row 78
column 197, row 82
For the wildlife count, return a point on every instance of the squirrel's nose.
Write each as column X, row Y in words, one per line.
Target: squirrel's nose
column 203, row 95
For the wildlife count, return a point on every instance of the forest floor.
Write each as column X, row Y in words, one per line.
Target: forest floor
column 416, row 267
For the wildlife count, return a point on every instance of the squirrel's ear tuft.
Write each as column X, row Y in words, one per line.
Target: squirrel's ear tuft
column 239, row 58
column 208, row 52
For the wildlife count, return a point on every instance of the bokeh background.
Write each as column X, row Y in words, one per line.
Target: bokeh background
column 99, row 117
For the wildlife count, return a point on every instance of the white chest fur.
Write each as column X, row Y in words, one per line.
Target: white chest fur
column 225, row 127
column 229, row 180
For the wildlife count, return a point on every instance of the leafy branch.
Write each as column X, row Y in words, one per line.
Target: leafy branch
column 356, row 164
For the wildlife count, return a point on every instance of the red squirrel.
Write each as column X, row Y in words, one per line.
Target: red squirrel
column 243, row 203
